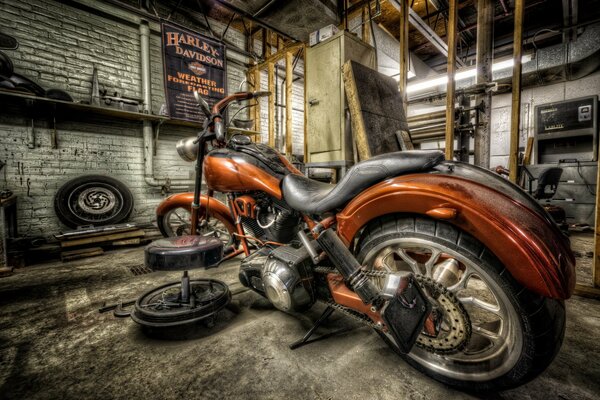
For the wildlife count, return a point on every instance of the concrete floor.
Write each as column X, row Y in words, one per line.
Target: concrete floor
column 55, row 345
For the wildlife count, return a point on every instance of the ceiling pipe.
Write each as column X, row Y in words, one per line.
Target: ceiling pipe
column 258, row 21
column 578, row 58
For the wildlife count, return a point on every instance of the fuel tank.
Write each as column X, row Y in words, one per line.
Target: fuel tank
column 245, row 168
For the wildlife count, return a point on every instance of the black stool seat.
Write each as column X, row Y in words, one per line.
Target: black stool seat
column 183, row 253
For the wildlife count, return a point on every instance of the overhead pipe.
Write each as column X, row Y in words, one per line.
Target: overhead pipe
column 580, row 58
column 421, row 124
column 147, row 130
column 427, row 128
column 252, row 18
column 427, row 116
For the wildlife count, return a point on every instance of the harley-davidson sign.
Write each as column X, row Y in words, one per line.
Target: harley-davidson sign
column 192, row 63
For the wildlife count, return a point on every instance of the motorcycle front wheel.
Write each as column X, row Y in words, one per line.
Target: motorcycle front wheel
column 509, row 334
column 177, row 222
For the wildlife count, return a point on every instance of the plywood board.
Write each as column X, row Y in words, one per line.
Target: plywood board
column 375, row 108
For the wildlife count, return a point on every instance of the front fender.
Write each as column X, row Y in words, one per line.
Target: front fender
column 531, row 247
column 215, row 208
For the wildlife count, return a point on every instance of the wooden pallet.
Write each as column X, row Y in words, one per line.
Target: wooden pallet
column 92, row 243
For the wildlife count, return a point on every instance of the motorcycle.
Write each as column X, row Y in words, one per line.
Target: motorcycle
column 460, row 272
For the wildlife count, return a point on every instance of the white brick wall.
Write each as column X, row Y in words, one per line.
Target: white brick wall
column 58, row 46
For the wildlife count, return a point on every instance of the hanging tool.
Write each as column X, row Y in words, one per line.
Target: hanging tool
column 95, row 98
column 53, row 135
column 31, row 136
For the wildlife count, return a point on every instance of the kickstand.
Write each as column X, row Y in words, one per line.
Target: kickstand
column 326, row 314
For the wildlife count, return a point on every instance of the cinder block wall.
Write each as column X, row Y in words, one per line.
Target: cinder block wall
column 59, row 44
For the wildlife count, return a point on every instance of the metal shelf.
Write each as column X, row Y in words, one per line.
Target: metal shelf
column 62, row 106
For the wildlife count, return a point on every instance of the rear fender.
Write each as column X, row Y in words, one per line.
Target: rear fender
column 216, row 209
column 530, row 246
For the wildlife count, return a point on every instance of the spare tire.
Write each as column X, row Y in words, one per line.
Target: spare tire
column 6, row 66
column 93, row 200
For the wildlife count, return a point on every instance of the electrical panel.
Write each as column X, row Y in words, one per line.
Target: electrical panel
column 567, row 130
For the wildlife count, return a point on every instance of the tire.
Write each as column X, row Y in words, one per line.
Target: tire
column 183, row 215
column 149, row 311
column 93, row 200
column 534, row 325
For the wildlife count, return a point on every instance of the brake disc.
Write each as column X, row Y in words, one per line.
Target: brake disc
column 454, row 330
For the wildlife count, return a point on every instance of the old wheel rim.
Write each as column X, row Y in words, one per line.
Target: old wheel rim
column 96, row 202
column 178, row 223
column 496, row 339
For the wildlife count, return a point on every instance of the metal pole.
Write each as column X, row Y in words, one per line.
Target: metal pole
column 452, row 41
column 484, row 55
column 516, row 91
column 403, row 53
column 463, row 135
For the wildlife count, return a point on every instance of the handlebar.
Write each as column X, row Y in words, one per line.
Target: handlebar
column 223, row 103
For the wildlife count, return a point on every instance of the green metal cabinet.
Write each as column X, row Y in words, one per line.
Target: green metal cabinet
column 329, row 136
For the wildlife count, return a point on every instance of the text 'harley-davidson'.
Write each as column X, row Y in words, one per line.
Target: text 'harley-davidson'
column 459, row 271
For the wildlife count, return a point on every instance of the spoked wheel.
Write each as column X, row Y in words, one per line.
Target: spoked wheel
column 488, row 333
column 167, row 305
column 177, row 222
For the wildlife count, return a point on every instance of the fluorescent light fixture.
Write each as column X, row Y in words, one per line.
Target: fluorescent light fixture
column 410, row 75
column 463, row 74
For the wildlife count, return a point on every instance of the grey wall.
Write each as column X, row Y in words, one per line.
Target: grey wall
column 531, row 97
column 59, row 44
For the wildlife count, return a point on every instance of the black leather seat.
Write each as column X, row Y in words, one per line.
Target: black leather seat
column 314, row 197
column 183, row 253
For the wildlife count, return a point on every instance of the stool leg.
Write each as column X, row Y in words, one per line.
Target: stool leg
column 185, row 287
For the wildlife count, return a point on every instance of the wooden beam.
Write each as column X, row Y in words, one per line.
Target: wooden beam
column 366, row 31
column 305, row 106
column 596, row 263
column 266, row 48
column 452, row 41
column 273, row 58
column 289, row 81
column 515, row 119
column 404, row 54
column 587, row 291
column 271, row 77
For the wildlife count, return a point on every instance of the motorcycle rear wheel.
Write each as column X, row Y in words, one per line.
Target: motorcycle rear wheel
column 524, row 330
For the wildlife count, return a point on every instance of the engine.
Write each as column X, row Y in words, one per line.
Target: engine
column 283, row 275
column 267, row 218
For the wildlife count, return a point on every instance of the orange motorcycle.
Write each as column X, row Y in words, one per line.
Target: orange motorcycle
column 459, row 271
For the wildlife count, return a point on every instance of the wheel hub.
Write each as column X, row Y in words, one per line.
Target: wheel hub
column 96, row 200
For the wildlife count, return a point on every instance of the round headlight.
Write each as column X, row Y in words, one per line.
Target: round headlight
column 188, row 148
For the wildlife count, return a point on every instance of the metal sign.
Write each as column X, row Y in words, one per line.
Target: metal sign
column 192, row 63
